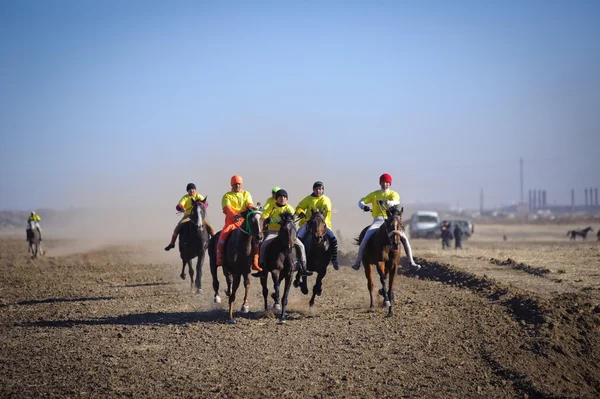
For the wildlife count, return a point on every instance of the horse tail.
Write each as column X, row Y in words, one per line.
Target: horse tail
column 357, row 241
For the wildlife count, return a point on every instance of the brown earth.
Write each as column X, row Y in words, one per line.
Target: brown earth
column 119, row 321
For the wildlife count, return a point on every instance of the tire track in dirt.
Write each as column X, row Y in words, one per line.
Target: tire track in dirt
column 562, row 331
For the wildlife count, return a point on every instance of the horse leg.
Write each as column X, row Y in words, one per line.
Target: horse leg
column 383, row 280
column 229, row 279
column 284, row 299
column 265, row 290
column 393, row 271
column 199, row 264
column 191, row 270
column 235, row 285
column 245, row 306
column 368, row 267
column 215, row 279
column 318, row 288
column 276, row 285
column 182, row 275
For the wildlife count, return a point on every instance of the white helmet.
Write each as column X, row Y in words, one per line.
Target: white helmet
column 32, row 213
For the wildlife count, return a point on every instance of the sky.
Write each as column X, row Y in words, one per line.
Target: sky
column 119, row 104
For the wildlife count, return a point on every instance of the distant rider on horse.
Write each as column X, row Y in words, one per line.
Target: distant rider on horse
column 380, row 201
column 233, row 203
column 185, row 205
column 33, row 221
column 317, row 201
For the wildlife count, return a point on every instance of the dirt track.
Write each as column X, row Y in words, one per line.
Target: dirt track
column 110, row 323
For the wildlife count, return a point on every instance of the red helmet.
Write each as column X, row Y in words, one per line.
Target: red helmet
column 386, row 178
column 236, row 179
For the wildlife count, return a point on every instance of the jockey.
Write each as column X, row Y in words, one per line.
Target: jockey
column 233, row 203
column 185, row 206
column 33, row 221
column 268, row 204
column 304, row 209
column 272, row 216
column 380, row 201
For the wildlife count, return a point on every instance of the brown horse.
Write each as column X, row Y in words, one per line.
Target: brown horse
column 239, row 255
column 582, row 233
column 383, row 251
column 193, row 241
column 318, row 254
column 279, row 262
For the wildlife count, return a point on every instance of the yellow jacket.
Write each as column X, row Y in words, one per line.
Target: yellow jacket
column 34, row 218
column 269, row 203
column 186, row 202
column 310, row 203
column 274, row 214
column 378, row 195
column 234, row 203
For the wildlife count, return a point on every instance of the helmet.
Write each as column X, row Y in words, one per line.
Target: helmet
column 190, row 186
column 385, row 178
column 235, row 179
column 32, row 213
column 275, row 189
column 281, row 193
column 318, row 184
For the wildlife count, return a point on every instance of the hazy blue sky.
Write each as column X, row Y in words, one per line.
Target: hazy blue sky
column 115, row 100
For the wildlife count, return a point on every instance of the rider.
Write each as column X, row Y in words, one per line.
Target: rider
column 269, row 203
column 380, row 201
column 233, row 203
column 304, row 209
column 33, row 221
column 272, row 215
column 185, row 206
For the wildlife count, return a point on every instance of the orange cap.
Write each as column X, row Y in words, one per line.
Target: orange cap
column 236, row 179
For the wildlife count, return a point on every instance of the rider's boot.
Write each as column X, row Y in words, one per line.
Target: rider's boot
column 172, row 243
column 334, row 253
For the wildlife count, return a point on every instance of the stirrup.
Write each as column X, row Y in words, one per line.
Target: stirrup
column 356, row 266
column 259, row 273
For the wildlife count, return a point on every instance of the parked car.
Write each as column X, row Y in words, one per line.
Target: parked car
column 422, row 223
column 436, row 232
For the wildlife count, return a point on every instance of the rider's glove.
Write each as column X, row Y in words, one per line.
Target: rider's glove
column 366, row 208
column 180, row 208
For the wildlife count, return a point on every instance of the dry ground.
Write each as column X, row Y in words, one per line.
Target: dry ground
column 500, row 319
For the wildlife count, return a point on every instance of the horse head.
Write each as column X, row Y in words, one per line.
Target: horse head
column 394, row 225
column 198, row 213
column 252, row 224
column 287, row 231
column 317, row 226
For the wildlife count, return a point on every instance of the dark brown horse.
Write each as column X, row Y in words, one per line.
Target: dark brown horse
column 582, row 233
column 193, row 241
column 280, row 263
column 383, row 252
column 239, row 255
column 318, row 254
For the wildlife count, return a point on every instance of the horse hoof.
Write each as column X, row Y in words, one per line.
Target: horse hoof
column 380, row 291
column 199, row 291
column 387, row 304
column 311, row 303
column 231, row 321
column 245, row 309
column 304, row 290
column 182, row 275
column 217, row 299
column 281, row 321
column 296, row 283
column 277, row 306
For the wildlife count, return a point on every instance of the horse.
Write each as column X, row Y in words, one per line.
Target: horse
column 212, row 254
column 193, row 241
column 582, row 233
column 34, row 241
column 279, row 262
column 318, row 256
column 239, row 255
column 383, row 251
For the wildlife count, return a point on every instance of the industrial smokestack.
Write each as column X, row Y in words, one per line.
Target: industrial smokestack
column 530, row 202
column 544, row 199
column 586, row 197
column 596, row 195
column 481, row 201
column 534, row 200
